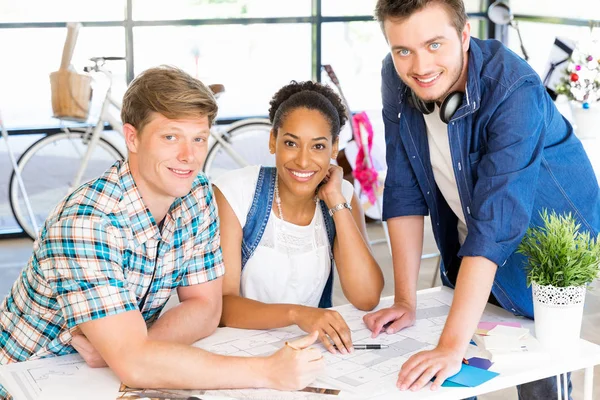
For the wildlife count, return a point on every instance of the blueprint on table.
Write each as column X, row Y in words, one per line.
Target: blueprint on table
column 364, row 372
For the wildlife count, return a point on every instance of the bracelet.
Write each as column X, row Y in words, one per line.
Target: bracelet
column 339, row 207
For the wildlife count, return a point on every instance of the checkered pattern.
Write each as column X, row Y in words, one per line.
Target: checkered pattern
column 95, row 257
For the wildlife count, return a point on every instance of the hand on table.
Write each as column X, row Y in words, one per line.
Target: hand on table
column 391, row 320
column 329, row 324
column 418, row 370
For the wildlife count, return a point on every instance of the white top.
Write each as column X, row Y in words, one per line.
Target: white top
column 291, row 263
column 441, row 162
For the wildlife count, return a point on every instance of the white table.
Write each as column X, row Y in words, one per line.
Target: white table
column 68, row 377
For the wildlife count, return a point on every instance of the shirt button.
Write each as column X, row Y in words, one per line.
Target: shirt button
column 427, row 192
column 414, row 156
column 459, row 167
column 399, row 114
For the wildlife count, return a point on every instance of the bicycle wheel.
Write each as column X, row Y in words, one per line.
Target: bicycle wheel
column 249, row 139
column 47, row 169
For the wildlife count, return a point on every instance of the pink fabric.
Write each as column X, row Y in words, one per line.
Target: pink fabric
column 367, row 177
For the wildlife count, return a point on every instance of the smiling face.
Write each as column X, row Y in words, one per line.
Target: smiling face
column 303, row 148
column 428, row 53
column 166, row 157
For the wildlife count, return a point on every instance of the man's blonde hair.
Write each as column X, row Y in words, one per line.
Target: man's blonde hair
column 168, row 91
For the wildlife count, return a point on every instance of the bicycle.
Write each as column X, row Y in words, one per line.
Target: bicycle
column 78, row 156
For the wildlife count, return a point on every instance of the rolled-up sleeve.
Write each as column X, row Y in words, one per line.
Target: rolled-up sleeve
column 402, row 195
column 507, row 174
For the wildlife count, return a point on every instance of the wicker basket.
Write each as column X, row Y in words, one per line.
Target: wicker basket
column 71, row 94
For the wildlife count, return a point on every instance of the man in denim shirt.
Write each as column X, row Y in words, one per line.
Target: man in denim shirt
column 502, row 153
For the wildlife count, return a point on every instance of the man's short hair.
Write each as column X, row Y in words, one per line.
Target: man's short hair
column 168, row 91
column 401, row 9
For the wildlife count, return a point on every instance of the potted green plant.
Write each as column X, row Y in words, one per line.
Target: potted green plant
column 561, row 261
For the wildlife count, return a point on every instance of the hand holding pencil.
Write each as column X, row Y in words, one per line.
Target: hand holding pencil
column 295, row 365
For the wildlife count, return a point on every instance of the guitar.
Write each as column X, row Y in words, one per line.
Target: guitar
column 341, row 157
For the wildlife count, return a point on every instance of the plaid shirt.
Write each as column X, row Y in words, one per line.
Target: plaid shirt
column 96, row 256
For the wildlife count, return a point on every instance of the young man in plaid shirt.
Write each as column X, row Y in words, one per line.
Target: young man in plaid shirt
column 109, row 256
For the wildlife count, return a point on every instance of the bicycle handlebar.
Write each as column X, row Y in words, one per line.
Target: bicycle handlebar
column 100, row 59
column 99, row 62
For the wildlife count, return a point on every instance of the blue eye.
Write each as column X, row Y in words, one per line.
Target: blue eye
column 200, row 140
column 403, row 52
column 434, row 46
column 170, row 137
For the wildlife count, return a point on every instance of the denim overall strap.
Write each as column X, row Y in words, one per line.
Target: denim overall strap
column 258, row 215
column 326, row 301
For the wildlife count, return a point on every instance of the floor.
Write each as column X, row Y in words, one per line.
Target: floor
column 14, row 254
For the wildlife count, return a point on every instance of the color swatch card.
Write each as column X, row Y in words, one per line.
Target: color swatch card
column 469, row 376
column 483, row 327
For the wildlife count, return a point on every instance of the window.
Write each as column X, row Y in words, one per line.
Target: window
column 25, row 97
column 538, row 39
column 252, row 61
column 367, row 7
column 207, row 9
column 582, row 9
column 61, row 10
column 355, row 51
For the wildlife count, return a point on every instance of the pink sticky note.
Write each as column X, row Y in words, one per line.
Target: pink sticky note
column 491, row 325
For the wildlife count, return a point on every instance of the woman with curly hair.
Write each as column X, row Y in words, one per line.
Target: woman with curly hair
column 283, row 229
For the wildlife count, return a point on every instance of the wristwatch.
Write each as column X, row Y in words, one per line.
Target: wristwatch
column 339, row 207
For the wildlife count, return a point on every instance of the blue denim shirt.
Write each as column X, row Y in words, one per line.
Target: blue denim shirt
column 513, row 154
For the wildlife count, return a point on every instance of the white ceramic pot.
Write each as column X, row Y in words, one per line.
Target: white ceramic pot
column 586, row 122
column 558, row 313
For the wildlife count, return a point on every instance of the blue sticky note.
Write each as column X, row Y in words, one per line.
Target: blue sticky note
column 469, row 376
column 447, row 383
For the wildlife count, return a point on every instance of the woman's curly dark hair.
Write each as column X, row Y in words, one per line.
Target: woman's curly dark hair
column 311, row 95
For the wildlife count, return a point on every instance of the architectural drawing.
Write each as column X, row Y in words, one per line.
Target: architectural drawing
column 362, row 374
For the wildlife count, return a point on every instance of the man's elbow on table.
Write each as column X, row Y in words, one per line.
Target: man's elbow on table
column 122, row 341
column 131, row 372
